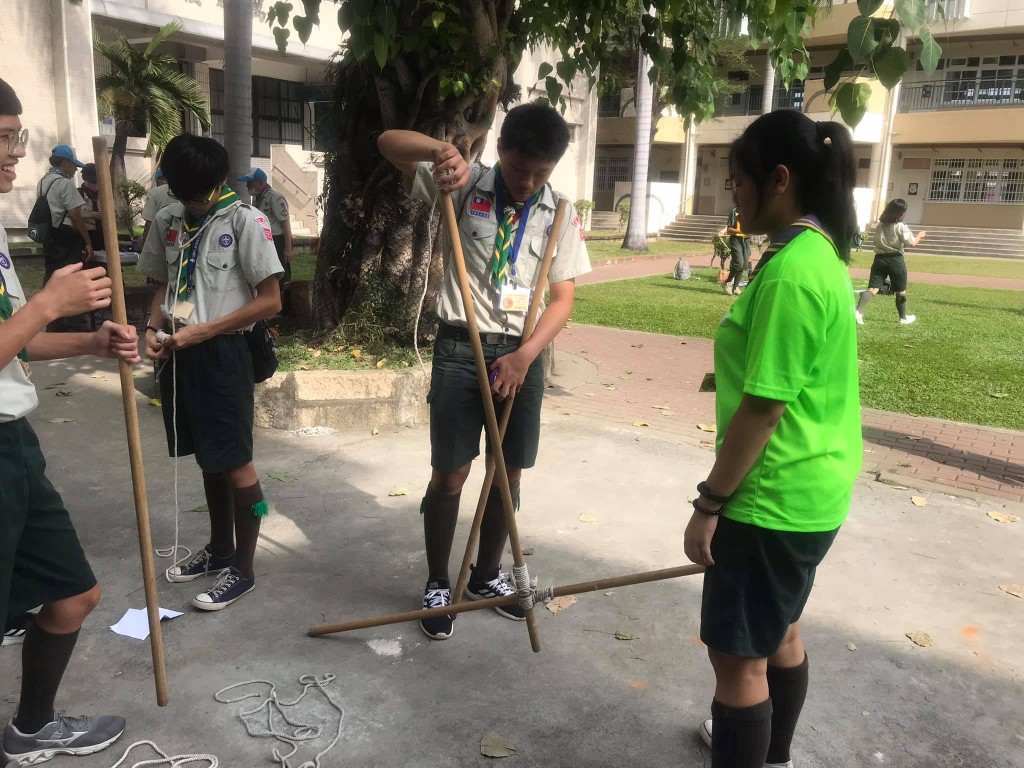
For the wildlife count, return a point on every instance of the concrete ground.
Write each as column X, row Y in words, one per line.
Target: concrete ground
column 338, row 547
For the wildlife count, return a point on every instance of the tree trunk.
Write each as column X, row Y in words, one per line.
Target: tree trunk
column 636, row 229
column 117, row 166
column 768, row 102
column 238, row 91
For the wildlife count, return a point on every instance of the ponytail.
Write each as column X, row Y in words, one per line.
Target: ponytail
column 832, row 199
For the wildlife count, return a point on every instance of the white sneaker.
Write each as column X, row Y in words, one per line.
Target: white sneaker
column 860, row 317
column 908, row 319
column 705, row 735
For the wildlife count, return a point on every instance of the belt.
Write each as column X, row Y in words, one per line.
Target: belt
column 447, row 331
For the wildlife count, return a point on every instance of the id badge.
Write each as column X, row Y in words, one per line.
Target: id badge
column 514, row 298
column 183, row 311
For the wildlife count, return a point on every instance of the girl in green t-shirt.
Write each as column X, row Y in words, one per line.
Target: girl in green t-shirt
column 789, row 446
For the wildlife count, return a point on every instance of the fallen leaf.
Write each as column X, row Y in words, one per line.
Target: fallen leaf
column 998, row 394
column 626, row 636
column 155, row 402
column 583, row 351
column 624, row 377
column 399, row 492
column 357, row 354
column 584, row 518
column 707, row 427
column 203, row 508
column 375, row 431
column 317, row 353
column 641, row 424
column 63, row 393
column 303, row 367
column 608, row 594
column 1002, row 517
column 1017, row 590
column 281, row 477
column 527, row 551
column 639, row 685
column 660, row 407
column 61, row 421
column 559, row 604
column 382, row 362
column 919, row 501
column 922, row 639
column 97, row 376
column 668, row 413
column 851, row 647
column 496, row 745
column 637, row 346
column 610, row 387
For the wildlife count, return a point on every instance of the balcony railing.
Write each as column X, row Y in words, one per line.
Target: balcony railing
column 751, row 101
column 962, row 94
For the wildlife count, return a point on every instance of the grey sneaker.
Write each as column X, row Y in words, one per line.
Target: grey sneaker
column 64, row 736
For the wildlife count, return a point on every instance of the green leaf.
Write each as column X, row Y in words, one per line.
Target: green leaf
column 281, row 11
column 834, row 71
column 437, row 19
column 554, row 90
column 931, row 51
column 281, row 36
column 860, row 38
column 380, row 49
column 868, row 7
column 566, row 70
column 912, row 14
column 851, row 100
column 801, row 70
column 304, row 26
column 544, row 70
column 626, row 636
column 891, row 66
column 783, row 9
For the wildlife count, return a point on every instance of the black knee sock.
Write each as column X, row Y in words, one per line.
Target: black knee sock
column 788, row 688
column 901, row 306
column 440, row 514
column 493, row 534
column 740, row 735
column 865, row 299
column 44, row 657
column 735, row 276
column 221, row 504
column 250, row 509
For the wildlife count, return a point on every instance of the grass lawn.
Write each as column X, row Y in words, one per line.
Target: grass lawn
column 612, row 249
column 965, row 348
column 951, row 265
column 306, row 351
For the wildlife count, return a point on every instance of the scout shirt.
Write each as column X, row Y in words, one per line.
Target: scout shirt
column 61, row 195
column 274, row 206
column 17, row 393
column 475, row 206
column 893, row 238
column 791, row 336
column 158, row 198
column 236, row 253
column 734, row 223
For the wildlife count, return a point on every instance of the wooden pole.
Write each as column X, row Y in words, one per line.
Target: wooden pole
column 131, row 420
column 539, row 286
column 490, row 417
column 493, row 602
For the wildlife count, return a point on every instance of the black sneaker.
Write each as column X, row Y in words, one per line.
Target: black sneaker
column 499, row 586
column 436, row 594
column 231, row 586
column 204, row 563
column 17, row 627
column 64, row 736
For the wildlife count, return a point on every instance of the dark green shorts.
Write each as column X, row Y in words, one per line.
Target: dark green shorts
column 758, row 586
column 892, row 266
column 457, row 412
column 41, row 560
column 215, row 391
column 739, row 248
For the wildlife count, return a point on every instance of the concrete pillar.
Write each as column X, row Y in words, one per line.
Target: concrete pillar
column 238, row 90
column 769, row 86
column 688, row 173
column 74, row 75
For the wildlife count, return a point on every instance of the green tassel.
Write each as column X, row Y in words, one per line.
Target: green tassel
column 261, row 508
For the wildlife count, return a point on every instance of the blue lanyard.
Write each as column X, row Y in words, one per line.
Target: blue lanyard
column 521, row 220
column 193, row 254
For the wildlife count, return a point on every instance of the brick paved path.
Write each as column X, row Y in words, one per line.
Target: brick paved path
column 618, row 377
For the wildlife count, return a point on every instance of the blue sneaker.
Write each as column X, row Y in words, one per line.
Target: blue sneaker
column 204, row 563
column 231, row 586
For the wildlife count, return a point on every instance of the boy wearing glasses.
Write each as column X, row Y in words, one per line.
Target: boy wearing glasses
column 41, row 559
column 213, row 259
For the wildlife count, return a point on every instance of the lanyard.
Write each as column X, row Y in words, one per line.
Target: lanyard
column 193, row 256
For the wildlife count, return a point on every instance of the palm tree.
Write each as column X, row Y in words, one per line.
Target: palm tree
column 145, row 89
column 636, row 229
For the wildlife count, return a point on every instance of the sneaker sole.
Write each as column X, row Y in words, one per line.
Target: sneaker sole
column 43, row 755
column 19, row 640
column 197, row 603
column 704, row 733
column 500, row 610
column 174, row 579
column 437, row 636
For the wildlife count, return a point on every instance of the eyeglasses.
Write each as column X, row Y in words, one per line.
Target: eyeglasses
column 16, row 140
column 197, row 201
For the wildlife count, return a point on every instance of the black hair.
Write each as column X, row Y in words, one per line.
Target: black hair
column 537, row 130
column 820, row 159
column 10, row 104
column 193, row 165
column 56, row 161
column 894, row 211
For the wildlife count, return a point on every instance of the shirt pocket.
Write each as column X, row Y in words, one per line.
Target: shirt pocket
column 222, row 273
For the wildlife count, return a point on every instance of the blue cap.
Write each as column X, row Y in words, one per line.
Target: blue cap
column 158, row 175
column 256, row 174
column 68, row 153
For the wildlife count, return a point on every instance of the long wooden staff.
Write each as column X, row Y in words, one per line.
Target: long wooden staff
column 131, row 420
column 531, row 323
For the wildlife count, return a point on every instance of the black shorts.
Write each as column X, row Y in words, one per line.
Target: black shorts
column 758, row 586
column 739, row 248
column 214, row 402
column 457, row 412
column 41, row 560
column 892, row 266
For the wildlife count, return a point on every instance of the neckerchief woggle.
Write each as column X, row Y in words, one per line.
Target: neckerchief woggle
column 787, row 235
column 506, row 248
column 7, row 309
column 187, row 268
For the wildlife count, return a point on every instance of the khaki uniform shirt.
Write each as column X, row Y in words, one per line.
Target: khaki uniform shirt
column 18, row 396
column 274, row 207
column 475, row 206
column 236, row 254
column 893, row 238
column 157, row 199
column 61, row 195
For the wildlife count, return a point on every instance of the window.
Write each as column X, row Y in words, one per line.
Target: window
column 610, row 104
column 217, row 104
column 276, row 114
column 977, row 180
column 609, row 169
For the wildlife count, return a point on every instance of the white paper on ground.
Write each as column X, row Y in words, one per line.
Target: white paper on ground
column 135, row 622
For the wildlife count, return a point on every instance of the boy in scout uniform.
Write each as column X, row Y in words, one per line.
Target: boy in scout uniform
column 157, row 198
column 214, row 261
column 739, row 247
column 41, row 559
column 505, row 217
column 275, row 207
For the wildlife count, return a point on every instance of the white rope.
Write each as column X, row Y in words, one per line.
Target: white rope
column 173, row 761
column 426, row 282
column 525, row 590
column 272, row 704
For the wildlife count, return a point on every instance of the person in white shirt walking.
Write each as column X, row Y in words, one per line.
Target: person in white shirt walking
column 892, row 238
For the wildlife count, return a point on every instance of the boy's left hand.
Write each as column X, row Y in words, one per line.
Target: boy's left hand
column 187, row 336
column 508, row 374
column 120, row 342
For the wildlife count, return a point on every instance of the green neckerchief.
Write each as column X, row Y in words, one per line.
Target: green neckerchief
column 191, row 225
column 7, row 309
column 507, row 218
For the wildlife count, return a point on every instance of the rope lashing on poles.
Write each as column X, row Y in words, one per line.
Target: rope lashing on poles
column 525, row 590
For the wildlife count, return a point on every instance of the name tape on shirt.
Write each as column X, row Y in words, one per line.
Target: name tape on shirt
column 481, row 207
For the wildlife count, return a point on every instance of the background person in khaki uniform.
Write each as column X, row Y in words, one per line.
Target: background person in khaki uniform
column 892, row 238
column 505, row 217
column 275, row 207
column 90, row 192
column 157, row 198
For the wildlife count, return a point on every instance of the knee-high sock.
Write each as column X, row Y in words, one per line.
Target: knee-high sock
column 493, row 533
column 787, row 687
column 250, row 509
column 44, row 657
column 901, row 306
column 440, row 514
column 221, row 504
column 740, row 735
column 865, row 299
